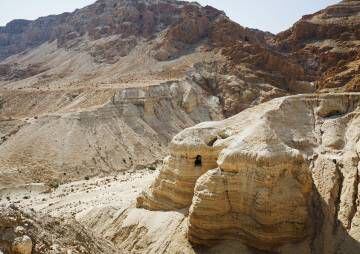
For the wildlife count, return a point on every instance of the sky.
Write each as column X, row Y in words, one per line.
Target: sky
column 267, row 15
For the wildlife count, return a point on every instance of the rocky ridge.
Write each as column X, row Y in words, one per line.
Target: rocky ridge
column 326, row 44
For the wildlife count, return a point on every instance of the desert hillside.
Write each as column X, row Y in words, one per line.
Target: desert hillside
column 162, row 126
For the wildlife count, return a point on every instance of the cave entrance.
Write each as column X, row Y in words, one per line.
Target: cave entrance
column 198, row 161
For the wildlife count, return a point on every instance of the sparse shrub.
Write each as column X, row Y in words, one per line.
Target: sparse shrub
column 152, row 168
column 54, row 184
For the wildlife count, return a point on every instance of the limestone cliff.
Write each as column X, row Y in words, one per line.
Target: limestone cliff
column 279, row 175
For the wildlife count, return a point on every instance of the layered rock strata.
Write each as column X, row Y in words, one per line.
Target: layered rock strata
column 66, row 135
column 284, row 172
column 326, row 44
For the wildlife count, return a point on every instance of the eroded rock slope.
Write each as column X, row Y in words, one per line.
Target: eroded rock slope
column 60, row 77
column 26, row 233
column 92, row 132
column 106, row 87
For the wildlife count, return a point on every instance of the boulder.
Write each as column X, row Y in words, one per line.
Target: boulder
column 22, row 245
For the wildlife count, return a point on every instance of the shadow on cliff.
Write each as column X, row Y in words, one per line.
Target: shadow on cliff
column 327, row 235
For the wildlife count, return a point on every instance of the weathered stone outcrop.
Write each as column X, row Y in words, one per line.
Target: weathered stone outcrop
column 189, row 159
column 320, row 51
column 284, row 172
column 26, row 233
column 236, row 90
column 17, row 72
column 22, row 245
column 326, row 44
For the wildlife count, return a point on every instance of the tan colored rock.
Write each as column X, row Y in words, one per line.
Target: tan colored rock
column 190, row 158
column 22, row 245
column 190, row 100
column 100, row 131
column 272, row 176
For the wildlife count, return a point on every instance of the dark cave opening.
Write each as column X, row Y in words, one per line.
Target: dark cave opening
column 198, row 161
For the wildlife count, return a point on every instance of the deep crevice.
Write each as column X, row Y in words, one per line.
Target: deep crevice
column 317, row 221
column 212, row 141
column 338, row 198
column 334, row 114
column 227, row 194
column 355, row 199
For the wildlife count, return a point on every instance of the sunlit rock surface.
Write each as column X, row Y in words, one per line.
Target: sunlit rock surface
column 280, row 173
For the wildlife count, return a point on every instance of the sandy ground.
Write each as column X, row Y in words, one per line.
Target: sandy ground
column 77, row 198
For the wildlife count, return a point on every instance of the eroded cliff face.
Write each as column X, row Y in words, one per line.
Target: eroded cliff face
column 104, row 89
column 326, row 44
column 101, row 41
column 281, row 176
column 91, row 132
column 128, row 19
column 111, row 28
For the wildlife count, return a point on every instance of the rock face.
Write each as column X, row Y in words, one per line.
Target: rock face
column 235, row 91
column 97, row 132
column 281, row 174
column 128, row 20
column 321, row 48
column 108, row 31
column 126, row 43
column 327, row 45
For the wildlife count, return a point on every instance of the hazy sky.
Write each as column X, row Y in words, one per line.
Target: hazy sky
column 268, row 15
